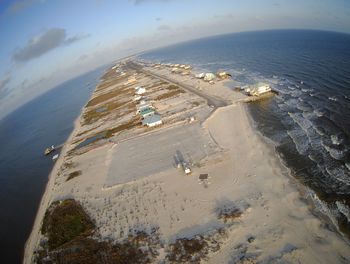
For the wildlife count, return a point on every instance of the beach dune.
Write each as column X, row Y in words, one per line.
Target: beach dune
column 247, row 210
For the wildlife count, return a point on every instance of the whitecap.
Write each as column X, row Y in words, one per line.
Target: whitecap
column 300, row 140
column 339, row 174
column 337, row 154
column 343, row 209
column 318, row 112
column 305, row 90
column 303, row 123
column 335, row 140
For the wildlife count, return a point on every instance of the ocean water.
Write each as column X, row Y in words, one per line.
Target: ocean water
column 24, row 169
column 309, row 121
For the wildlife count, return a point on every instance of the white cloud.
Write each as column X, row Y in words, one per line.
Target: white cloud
column 41, row 44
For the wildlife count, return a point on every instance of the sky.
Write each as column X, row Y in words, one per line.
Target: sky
column 47, row 42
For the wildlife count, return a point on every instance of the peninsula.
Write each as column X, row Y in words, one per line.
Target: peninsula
column 164, row 167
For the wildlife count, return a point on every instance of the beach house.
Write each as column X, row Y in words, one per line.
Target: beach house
column 140, row 91
column 153, row 120
column 259, row 89
column 209, row 76
column 143, row 105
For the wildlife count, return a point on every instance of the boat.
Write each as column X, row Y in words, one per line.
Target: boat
column 49, row 150
column 55, row 157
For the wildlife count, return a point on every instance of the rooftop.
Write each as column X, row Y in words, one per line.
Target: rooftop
column 146, row 111
column 151, row 119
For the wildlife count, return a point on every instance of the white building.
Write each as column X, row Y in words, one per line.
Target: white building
column 200, row 75
column 152, row 121
column 142, row 106
column 260, row 89
column 140, row 91
column 209, row 76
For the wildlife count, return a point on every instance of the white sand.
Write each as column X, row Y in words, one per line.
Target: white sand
column 245, row 172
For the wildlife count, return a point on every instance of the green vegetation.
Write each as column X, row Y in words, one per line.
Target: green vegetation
column 73, row 175
column 111, row 78
column 65, row 221
column 169, row 94
column 69, row 231
column 106, row 96
column 188, row 250
column 108, row 133
column 229, row 213
column 128, row 125
column 90, row 251
column 94, row 115
column 173, row 87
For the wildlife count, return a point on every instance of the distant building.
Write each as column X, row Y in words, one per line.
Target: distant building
column 209, row 76
column 140, row 91
column 259, row 89
column 152, row 120
column 175, row 70
column 200, row 75
column 224, row 75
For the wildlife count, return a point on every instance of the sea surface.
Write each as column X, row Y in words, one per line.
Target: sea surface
column 309, row 121
column 24, row 169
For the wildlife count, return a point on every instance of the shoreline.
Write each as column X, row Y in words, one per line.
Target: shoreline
column 46, row 197
column 316, row 205
column 256, row 204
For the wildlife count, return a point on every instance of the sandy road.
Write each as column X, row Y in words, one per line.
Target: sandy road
column 212, row 101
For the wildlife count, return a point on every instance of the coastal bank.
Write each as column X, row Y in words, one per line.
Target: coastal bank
column 125, row 176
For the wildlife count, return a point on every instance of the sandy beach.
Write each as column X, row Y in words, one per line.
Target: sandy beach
column 248, row 209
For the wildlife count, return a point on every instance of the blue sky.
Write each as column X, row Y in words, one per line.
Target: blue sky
column 46, row 42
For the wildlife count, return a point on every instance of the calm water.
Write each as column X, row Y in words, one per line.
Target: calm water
column 24, row 170
column 309, row 121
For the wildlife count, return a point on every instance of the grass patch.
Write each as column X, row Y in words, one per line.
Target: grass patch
column 90, row 251
column 106, row 96
column 139, row 248
column 172, row 87
column 84, row 132
column 155, row 84
column 187, row 250
column 110, row 79
column 94, row 115
column 65, row 221
column 68, row 165
column 73, row 174
column 228, row 213
column 169, row 94
column 136, row 121
column 128, row 125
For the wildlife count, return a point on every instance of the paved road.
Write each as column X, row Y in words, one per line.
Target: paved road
column 212, row 101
